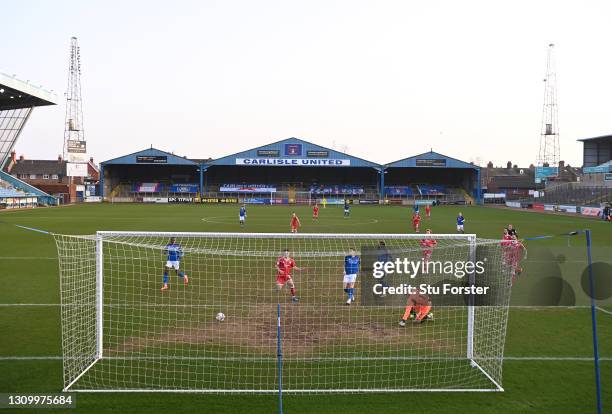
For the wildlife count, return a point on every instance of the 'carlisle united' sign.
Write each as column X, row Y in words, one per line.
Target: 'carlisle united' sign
column 293, row 162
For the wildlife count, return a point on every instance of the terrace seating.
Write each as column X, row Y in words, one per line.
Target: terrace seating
column 431, row 190
column 399, row 191
column 577, row 194
column 247, row 188
column 11, row 192
column 149, row 187
column 326, row 189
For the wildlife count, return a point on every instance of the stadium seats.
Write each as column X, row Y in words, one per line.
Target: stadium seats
column 8, row 192
column 398, row 191
column 431, row 190
column 149, row 188
column 135, row 191
column 327, row 189
column 440, row 192
column 247, row 188
column 11, row 197
column 576, row 194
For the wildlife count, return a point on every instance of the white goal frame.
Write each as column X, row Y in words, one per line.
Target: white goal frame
column 99, row 240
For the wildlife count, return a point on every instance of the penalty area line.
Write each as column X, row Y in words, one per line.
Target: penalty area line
column 599, row 308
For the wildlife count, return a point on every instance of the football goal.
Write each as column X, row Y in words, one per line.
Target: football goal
column 122, row 332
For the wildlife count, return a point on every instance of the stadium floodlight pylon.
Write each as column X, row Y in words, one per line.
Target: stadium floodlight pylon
column 120, row 333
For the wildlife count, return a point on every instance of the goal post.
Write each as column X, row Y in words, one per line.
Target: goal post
column 122, row 333
column 470, row 301
column 99, row 295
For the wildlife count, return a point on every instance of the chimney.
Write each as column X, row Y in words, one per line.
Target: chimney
column 509, row 165
column 59, row 158
column 561, row 165
column 21, row 157
column 13, row 157
column 91, row 160
column 490, row 164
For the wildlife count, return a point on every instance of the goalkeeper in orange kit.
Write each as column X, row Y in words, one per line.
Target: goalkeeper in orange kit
column 418, row 307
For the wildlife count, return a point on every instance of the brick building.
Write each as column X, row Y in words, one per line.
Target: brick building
column 51, row 177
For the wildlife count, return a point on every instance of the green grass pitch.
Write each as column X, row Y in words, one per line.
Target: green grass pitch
column 547, row 370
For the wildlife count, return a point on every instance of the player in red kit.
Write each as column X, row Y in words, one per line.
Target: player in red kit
column 506, row 238
column 416, row 222
column 507, row 250
column 518, row 252
column 315, row 212
column 428, row 211
column 428, row 244
column 284, row 265
column 295, row 223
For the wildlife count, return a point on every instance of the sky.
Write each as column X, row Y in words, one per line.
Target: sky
column 382, row 80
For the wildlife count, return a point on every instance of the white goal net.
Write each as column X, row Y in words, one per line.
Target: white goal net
column 122, row 332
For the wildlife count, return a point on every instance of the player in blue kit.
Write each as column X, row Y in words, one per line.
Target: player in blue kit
column 242, row 215
column 175, row 253
column 351, row 269
column 460, row 221
column 383, row 256
column 347, row 209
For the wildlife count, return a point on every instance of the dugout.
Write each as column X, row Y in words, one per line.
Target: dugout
column 150, row 175
column 431, row 176
column 291, row 170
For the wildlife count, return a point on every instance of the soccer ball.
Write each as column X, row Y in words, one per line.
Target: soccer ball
column 220, row 317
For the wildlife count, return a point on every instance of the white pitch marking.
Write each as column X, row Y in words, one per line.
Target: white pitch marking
column 312, row 359
column 269, row 220
column 599, row 308
column 120, row 305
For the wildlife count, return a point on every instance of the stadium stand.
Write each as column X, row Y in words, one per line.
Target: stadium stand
column 590, row 186
column 578, row 194
column 150, row 175
column 302, row 172
column 596, row 150
column 17, row 101
column 432, row 176
column 290, row 171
